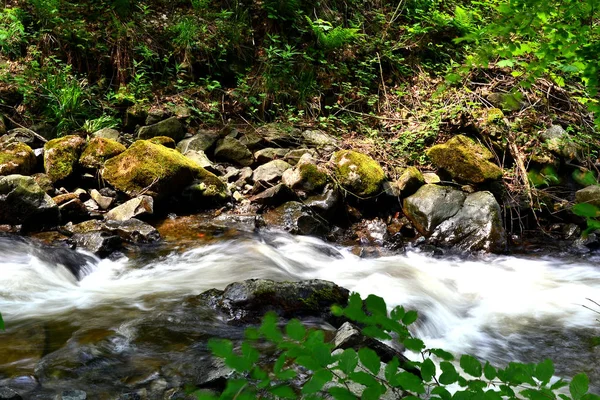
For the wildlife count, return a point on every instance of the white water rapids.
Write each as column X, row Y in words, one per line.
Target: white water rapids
column 499, row 307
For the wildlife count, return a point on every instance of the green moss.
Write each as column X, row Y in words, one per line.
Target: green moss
column 98, row 151
column 61, row 156
column 358, row 173
column 16, row 158
column 327, row 294
column 163, row 141
column 312, row 176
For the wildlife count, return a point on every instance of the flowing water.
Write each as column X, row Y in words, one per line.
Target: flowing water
column 501, row 308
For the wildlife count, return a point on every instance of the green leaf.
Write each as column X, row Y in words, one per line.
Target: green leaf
column 584, row 177
column 449, row 374
column 376, row 305
column 322, row 353
column 488, row 371
column 544, row 371
column 559, row 384
column 373, row 392
column 318, row 380
column 375, row 332
column 391, row 369
column 586, row 210
column 427, row 370
column 348, row 361
column 505, row 63
column 2, row 327
column 283, row 391
column 340, row 393
column 295, row 330
column 363, row 378
column 410, row 317
column 590, row 396
column 442, row 392
column 269, row 328
column 222, row 348
column 410, row 382
column 414, row 344
column 443, row 354
column 492, row 395
column 308, row 362
column 579, row 386
column 471, row 365
column 370, row 360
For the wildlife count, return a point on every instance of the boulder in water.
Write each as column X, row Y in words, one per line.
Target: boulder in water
column 102, row 244
column 133, row 230
column 61, row 156
column 358, row 173
column 23, row 201
column 431, row 205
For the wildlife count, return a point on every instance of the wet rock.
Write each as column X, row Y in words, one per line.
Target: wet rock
column 9, row 394
column 275, row 195
column 358, row 173
column 24, row 135
column 293, row 156
column 23, row 345
column 202, row 141
column 107, row 133
column 248, row 301
column 320, row 140
column 148, row 168
column 295, row 218
column 372, row 232
column 431, row 205
column 73, row 210
column 589, row 195
column 133, row 230
column 16, row 158
column 98, row 150
column 232, row 150
column 465, row 160
column 103, row 201
column 270, row 172
column 163, row 141
column 142, row 205
column 325, row 204
column 477, row 226
column 23, row 201
column 269, row 154
column 170, row 127
column 198, row 157
column 206, row 193
column 410, row 181
column 61, row 156
column 73, row 395
column 560, row 142
column 306, row 176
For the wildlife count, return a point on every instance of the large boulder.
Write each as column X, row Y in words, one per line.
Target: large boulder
column 22, row 201
column 476, row 226
column 152, row 169
column 590, row 195
column 358, row 173
column 465, row 160
column 170, row 127
column 232, row 150
column 16, row 158
column 98, row 150
column 202, row 141
column 431, row 205
column 61, row 156
column 306, row 176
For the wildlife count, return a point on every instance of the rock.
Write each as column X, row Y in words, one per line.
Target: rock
column 147, row 168
column 103, row 201
column 320, row 140
column 24, row 135
column 590, row 195
column 306, row 176
column 141, row 205
column 44, row 182
column 73, row 395
column 23, row 201
column 269, row 154
column 431, row 178
column 431, row 205
column 132, row 230
column 73, row 210
column 202, row 141
column 61, row 156
column 244, row 177
column 465, row 160
column 275, row 195
column 232, row 150
column 98, row 150
column 199, row 158
column 270, row 172
column 410, row 181
column 170, row 127
column 16, row 158
column 325, row 204
column 163, row 141
column 248, row 301
column 276, row 135
column 358, row 173
column 107, row 133
column 9, row 394
column 560, row 142
column 476, row 226
column 293, row 156
column 135, row 115
column 296, row 218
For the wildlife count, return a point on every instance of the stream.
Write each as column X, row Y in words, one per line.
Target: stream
column 127, row 323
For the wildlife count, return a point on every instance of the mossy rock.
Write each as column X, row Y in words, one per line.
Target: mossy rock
column 306, row 175
column 409, row 181
column 98, row 150
column 22, row 201
column 465, row 160
column 358, row 173
column 163, row 141
column 61, row 156
column 16, row 158
column 152, row 169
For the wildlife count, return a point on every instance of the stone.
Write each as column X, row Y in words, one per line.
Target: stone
column 358, row 173
column 232, row 150
column 163, row 141
column 24, row 135
column 134, row 116
column 320, row 140
column 325, row 204
column 104, row 202
column 156, row 115
column 306, row 176
column 277, row 135
column 98, row 150
column 270, row 172
column 200, row 158
column 44, row 182
column 410, row 181
column 23, row 201
column 73, row 395
column 244, row 177
column 560, row 142
column 202, row 141
column 431, row 205
column 431, row 178
column 61, row 156
column 170, row 127
column 16, row 158
column 477, row 226
column 293, row 156
column 274, row 196
column 589, row 195
column 9, row 394
column 107, row 133
column 465, row 160
column 73, row 210
column 132, row 230
column 296, row 218
column 206, row 193
column 148, row 168
column 269, row 154
column 142, row 205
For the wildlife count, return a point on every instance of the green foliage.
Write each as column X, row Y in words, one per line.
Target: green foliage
column 332, row 38
column 307, row 367
column 104, row 121
column 2, row 327
column 591, row 213
column 12, row 31
column 546, row 176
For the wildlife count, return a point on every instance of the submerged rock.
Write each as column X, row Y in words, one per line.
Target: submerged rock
column 295, row 218
column 358, row 173
column 431, row 205
column 61, row 156
column 98, row 150
column 23, row 201
column 170, row 127
column 16, row 158
column 465, row 160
